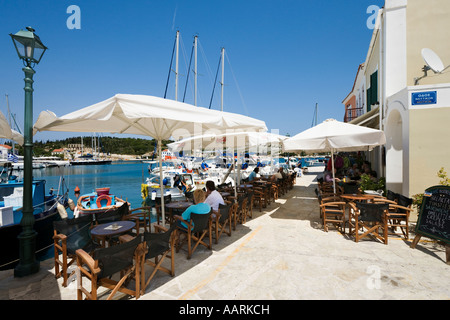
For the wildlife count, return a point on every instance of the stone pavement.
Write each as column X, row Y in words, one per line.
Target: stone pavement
column 281, row 254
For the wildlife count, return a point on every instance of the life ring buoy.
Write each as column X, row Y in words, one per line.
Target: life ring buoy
column 102, row 197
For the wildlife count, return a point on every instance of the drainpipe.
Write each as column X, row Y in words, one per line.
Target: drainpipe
column 382, row 86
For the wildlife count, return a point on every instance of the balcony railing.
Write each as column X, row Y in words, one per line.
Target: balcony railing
column 353, row 113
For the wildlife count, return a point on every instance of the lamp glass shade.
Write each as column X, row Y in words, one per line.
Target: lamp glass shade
column 28, row 46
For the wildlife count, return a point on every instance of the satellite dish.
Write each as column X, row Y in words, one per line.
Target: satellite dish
column 433, row 60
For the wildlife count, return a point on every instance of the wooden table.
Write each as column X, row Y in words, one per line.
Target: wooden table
column 178, row 206
column 225, row 194
column 260, row 181
column 107, row 230
column 358, row 197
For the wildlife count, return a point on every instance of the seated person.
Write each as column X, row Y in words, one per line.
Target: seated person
column 354, row 171
column 328, row 176
column 199, row 207
column 253, row 175
column 278, row 175
column 204, row 166
column 213, row 197
column 180, row 183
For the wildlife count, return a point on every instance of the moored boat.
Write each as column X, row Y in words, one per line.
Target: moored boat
column 48, row 207
column 98, row 203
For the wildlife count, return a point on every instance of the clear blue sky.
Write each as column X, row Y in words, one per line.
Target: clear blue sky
column 283, row 56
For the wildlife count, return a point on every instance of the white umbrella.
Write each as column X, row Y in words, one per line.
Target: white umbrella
column 333, row 136
column 233, row 140
column 7, row 133
column 145, row 115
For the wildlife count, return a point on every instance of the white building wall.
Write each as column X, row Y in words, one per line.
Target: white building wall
column 394, row 47
column 396, row 128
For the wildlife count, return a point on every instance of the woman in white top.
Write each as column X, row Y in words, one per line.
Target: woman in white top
column 214, row 198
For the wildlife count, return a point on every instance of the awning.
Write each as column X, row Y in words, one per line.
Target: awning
column 369, row 119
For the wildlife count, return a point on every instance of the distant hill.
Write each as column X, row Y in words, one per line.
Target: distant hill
column 112, row 145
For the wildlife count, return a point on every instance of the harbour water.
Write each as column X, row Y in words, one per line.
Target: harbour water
column 124, row 179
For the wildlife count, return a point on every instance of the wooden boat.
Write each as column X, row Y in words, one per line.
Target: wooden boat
column 99, row 202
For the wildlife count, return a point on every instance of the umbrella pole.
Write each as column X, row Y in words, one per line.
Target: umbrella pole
column 235, row 179
column 332, row 169
column 163, row 214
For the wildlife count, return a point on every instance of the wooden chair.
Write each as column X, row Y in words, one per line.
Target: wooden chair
column 223, row 220
column 124, row 258
column 333, row 211
column 260, row 198
column 197, row 228
column 279, row 185
column 349, row 188
column 274, row 191
column 397, row 216
column 142, row 217
column 69, row 236
column 241, row 213
column 328, row 189
column 249, row 211
column 167, row 199
column 159, row 246
column 113, row 215
column 370, row 218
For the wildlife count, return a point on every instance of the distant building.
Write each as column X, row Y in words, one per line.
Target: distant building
column 4, row 150
column 355, row 102
column 412, row 109
column 57, row 152
column 166, row 154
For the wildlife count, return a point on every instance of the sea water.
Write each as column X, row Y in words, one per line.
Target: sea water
column 124, row 179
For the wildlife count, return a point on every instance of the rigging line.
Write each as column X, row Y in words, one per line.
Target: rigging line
column 215, row 81
column 183, row 51
column 170, row 67
column 208, row 67
column 237, row 85
column 189, row 72
column 208, row 72
column 13, row 116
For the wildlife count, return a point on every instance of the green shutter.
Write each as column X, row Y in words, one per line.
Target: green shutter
column 372, row 92
column 374, row 85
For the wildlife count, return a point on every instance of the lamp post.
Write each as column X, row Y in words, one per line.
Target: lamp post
column 30, row 49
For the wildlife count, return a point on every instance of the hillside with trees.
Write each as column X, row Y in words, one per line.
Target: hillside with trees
column 108, row 145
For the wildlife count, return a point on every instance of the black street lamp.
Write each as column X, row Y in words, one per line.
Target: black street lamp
column 30, row 49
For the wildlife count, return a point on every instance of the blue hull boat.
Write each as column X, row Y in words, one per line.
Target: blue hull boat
column 45, row 212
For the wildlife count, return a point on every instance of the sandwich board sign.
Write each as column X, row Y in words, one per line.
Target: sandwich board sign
column 434, row 217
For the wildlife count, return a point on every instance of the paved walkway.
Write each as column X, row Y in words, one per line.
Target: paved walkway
column 282, row 254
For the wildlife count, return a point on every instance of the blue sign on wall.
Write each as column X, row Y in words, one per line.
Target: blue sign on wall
column 421, row 98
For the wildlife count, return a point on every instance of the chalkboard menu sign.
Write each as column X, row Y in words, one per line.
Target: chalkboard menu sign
column 434, row 216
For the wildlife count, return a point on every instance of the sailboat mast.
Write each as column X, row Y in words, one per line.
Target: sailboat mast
column 314, row 122
column 9, row 112
column 317, row 111
column 195, row 70
column 176, row 65
column 222, row 82
column 9, row 118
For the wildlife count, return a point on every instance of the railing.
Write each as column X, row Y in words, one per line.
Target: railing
column 352, row 114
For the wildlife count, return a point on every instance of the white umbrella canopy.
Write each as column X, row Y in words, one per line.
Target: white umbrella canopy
column 7, row 133
column 333, row 136
column 238, row 141
column 145, row 115
column 234, row 140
